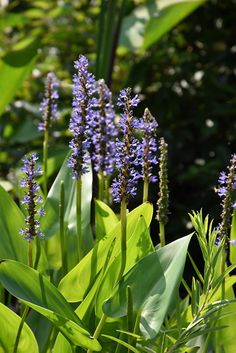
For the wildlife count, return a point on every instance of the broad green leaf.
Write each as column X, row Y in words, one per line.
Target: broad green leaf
column 41, row 328
column 154, row 281
column 9, row 323
column 105, row 219
column 232, row 248
column 12, row 245
column 125, row 344
column 14, row 69
column 170, row 13
column 36, row 291
column 138, row 246
column 76, row 284
column 149, row 22
column 50, row 223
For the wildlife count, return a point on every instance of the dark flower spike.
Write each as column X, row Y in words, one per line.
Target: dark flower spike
column 127, row 150
column 148, row 157
column 48, row 106
column 225, row 191
column 31, row 199
column 105, row 131
column 82, row 119
column 163, row 200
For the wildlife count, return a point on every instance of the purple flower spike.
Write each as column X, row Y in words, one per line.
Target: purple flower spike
column 82, row 119
column 31, row 199
column 48, row 106
column 105, row 133
column 127, row 150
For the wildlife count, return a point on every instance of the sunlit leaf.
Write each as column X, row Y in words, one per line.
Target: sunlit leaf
column 76, row 284
column 9, row 323
column 36, row 291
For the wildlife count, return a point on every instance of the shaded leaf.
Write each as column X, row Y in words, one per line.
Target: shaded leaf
column 154, row 281
column 14, row 69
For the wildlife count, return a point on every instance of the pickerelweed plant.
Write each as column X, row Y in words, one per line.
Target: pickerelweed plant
column 99, row 283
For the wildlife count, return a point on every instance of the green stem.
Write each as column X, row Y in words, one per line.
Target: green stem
column 79, row 216
column 162, row 233
column 62, row 229
column 106, row 189
column 145, row 190
column 123, row 219
column 30, row 254
column 26, row 310
column 45, row 162
column 101, row 185
column 38, row 252
column 223, row 259
column 98, row 329
column 130, row 314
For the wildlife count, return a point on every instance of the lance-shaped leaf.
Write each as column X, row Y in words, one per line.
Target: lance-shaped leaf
column 9, row 323
column 149, row 22
column 36, row 291
column 154, row 281
column 76, row 284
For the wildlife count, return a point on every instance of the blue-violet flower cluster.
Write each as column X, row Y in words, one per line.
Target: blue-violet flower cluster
column 48, row 106
column 31, row 199
column 127, row 150
column 105, row 131
column 82, row 119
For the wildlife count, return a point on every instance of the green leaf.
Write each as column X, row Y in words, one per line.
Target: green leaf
column 76, row 284
column 14, row 69
column 170, row 13
column 148, row 23
column 105, row 219
column 50, row 223
column 138, row 246
column 12, row 245
column 154, row 281
column 37, row 292
column 9, row 323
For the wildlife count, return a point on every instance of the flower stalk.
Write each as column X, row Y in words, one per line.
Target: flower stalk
column 48, row 107
column 163, row 200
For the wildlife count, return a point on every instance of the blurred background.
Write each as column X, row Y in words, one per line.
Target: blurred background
column 180, row 56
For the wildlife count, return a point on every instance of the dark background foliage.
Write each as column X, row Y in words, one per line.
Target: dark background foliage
column 187, row 79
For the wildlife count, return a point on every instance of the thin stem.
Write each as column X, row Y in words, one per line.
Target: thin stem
column 26, row 310
column 98, row 329
column 45, row 162
column 123, row 219
column 62, row 229
column 101, row 185
column 223, row 259
column 106, row 189
column 145, row 189
column 162, row 233
column 38, row 252
column 130, row 314
column 30, row 254
column 79, row 216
